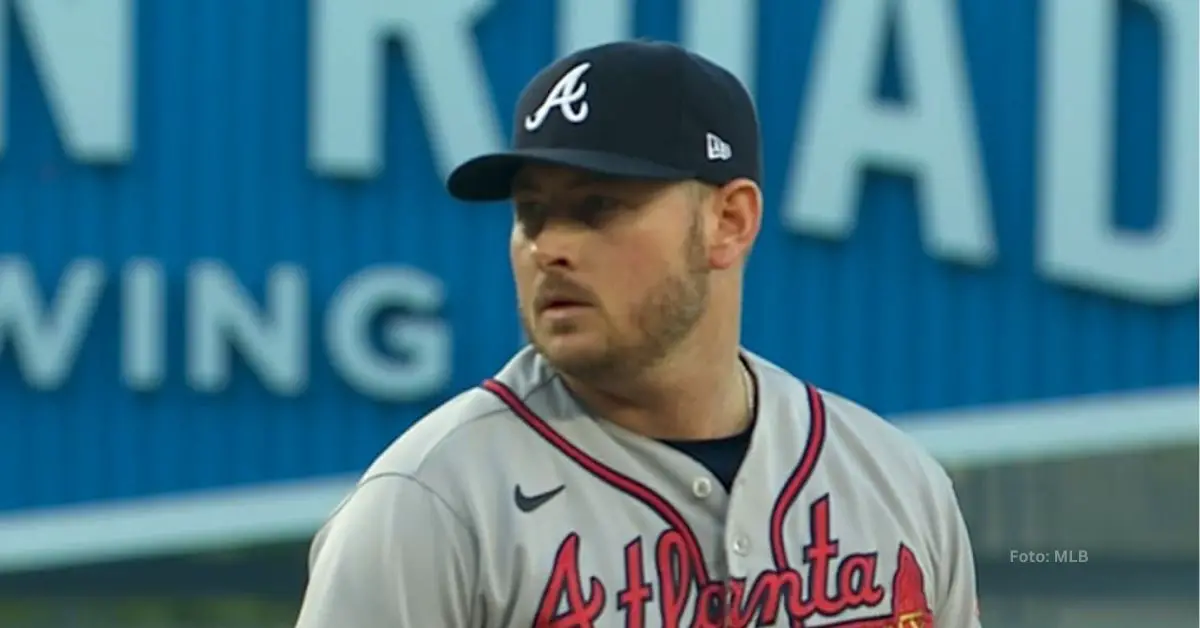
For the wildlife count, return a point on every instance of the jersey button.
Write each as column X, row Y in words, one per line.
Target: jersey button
column 702, row 487
column 741, row 545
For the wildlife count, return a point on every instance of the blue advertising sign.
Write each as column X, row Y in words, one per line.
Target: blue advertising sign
column 228, row 259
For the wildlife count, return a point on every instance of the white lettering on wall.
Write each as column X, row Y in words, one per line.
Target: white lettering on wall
column 222, row 322
column 45, row 338
column 586, row 23
column 724, row 32
column 84, row 57
column 143, row 325
column 222, row 317
column 347, row 54
column 418, row 358
column 846, row 129
column 1077, row 243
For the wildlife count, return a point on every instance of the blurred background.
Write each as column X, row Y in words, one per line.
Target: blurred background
column 229, row 274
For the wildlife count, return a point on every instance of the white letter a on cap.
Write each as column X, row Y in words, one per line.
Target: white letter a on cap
column 567, row 94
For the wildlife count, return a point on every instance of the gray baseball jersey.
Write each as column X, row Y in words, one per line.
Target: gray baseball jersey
column 510, row 506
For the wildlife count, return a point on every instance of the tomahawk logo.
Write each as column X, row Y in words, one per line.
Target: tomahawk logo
column 567, row 96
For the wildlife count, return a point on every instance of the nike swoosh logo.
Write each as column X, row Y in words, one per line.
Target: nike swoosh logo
column 530, row 503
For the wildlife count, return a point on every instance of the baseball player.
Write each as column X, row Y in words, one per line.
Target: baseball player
column 635, row 466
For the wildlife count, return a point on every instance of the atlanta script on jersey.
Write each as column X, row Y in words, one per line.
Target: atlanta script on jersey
column 511, row 506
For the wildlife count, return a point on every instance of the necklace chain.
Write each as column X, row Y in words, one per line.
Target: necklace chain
column 748, row 379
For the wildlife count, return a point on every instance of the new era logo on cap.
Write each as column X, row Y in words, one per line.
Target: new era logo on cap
column 632, row 109
column 718, row 149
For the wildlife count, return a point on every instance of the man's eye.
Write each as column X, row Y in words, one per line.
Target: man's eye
column 594, row 210
column 599, row 203
column 531, row 216
column 530, row 210
column 591, row 211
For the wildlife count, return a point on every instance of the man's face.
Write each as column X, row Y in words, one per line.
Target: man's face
column 611, row 275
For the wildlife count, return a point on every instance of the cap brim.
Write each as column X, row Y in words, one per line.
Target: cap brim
column 490, row 177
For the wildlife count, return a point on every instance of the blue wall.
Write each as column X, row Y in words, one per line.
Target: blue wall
column 220, row 172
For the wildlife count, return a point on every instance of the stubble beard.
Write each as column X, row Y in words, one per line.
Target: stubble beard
column 662, row 321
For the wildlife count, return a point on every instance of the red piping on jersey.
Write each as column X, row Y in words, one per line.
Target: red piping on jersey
column 606, row 474
column 808, row 461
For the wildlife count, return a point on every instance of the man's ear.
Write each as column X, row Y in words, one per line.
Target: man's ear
column 737, row 209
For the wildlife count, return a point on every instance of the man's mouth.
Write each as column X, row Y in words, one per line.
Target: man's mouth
column 556, row 304
column 562, row 304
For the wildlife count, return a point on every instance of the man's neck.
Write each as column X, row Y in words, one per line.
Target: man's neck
column 681, row 399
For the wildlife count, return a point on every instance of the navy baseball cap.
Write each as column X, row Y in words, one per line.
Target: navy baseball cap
column 632, row 109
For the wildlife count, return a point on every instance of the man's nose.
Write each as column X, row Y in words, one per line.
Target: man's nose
column 556, row 246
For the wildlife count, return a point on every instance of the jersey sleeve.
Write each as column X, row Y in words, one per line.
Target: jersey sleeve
column 394, row 555
column 957, row 599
